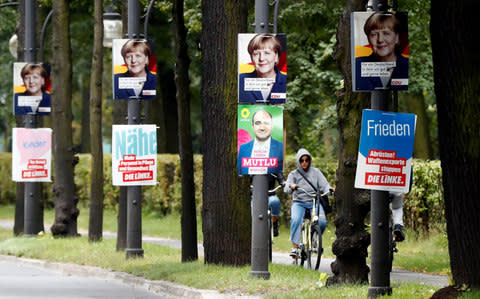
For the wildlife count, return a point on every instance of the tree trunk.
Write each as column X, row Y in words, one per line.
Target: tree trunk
column 66, row 211
column 189, row 214
column 226, row 198
column 352, row 204
column 422, row 148
column 456, row 74
column 96, row 180
column 84, row 146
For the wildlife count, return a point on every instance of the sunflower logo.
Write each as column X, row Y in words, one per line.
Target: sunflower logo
column 245, row 113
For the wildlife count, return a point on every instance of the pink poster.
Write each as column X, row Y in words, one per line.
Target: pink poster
column 31, row 155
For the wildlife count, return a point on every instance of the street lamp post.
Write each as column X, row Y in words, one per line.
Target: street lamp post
column 379, row 208
column 260, row 183
column 32, row 189
column 134, row 193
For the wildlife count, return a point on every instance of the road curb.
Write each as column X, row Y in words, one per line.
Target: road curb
column 170, row 289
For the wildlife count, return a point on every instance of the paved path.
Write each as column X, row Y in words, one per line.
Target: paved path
column 283, row 258
column 31, row 279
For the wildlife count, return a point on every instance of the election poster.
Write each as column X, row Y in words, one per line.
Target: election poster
column 260, row 139
column 134, row 155
column 31, row 88
column 134, row 69
column 262, row 68
column 380, row 51
column 386, row 151
column 31, row 155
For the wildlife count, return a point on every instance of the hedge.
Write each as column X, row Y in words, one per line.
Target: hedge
column 423, row 206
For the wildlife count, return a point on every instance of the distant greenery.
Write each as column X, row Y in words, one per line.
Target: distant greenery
column 423, row 206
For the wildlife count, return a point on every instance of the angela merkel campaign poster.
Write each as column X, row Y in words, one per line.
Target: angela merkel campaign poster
column 31, row 88
column 262, row 68
column 380, row 51
column 260, row 139
column 134, row 69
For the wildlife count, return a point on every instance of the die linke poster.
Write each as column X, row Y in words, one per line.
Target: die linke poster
column 31, row 155
column 134, row 155
column 386, row 150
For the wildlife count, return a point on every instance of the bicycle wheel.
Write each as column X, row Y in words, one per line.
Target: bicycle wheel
column 316, row 249
column 305, row 248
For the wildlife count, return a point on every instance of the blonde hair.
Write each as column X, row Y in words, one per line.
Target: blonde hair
column 136, row 44
column 264, row 40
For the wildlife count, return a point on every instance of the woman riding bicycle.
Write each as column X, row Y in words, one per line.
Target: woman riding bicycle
column 304, row 177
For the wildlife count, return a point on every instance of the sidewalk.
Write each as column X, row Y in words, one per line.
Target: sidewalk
column 397, row 275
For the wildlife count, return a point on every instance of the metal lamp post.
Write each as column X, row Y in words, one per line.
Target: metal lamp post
column 379, row 208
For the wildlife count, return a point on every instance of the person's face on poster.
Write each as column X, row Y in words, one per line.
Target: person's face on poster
column 34, row 82
column 383, row 42
column 262, row 125
column 136, row 62
column 264, row 61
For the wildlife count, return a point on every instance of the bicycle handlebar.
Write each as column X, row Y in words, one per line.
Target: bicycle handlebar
column 276, row 188
column 329, row 192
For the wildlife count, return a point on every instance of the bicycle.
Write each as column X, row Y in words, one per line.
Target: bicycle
column 310, row 246
column 270, row 224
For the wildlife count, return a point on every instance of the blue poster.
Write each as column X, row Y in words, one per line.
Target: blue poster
column 385, row 151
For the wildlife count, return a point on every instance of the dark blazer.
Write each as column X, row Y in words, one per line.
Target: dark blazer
column 150, row 84
column 22, row 110
column 374, row 83
column 276, row 150
column 256, row 96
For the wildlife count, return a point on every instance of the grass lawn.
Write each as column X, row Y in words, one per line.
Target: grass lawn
column 424, row 255
column 163, row 263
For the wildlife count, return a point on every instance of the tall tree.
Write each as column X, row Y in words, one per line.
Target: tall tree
column 352, row 241
column 96, row 179
column 455, row 50
column 226, row 204
column 66, row 211
column 189, row 214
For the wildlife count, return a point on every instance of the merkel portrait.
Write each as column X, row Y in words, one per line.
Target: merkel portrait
column 266, row 84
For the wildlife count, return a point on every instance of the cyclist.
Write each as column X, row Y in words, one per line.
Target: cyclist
column 397, row 215
column 304, row 176
column 273, row 200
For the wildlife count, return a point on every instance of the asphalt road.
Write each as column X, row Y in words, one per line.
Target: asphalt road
column 22, row 280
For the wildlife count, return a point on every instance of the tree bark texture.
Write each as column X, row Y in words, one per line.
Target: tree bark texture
column 189, row 214
column 66, row 211
column 84, row 146
column 456, row 62
column 95, row 227
column 352, row 204
column 226, row 198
